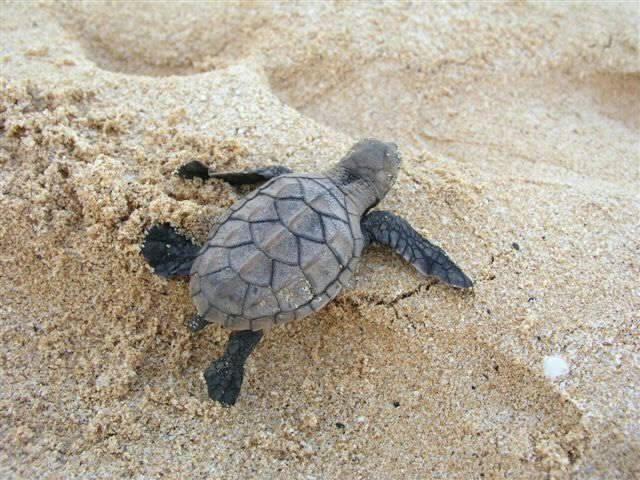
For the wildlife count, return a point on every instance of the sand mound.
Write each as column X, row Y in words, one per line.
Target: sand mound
column 520, row 132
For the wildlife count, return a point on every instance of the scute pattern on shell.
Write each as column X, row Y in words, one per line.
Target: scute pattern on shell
column 279, row 254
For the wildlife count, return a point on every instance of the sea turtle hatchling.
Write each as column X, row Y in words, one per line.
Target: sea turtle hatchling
column 286, row 249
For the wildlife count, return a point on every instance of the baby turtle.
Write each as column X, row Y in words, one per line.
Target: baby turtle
column 286, row 249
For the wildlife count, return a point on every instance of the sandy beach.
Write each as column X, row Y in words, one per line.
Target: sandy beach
column 519, row 125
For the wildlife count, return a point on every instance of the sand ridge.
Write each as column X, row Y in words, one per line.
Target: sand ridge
column 518, row 124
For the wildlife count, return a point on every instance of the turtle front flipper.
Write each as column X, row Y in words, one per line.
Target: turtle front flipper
column 224, row 376
column 391, row 230
column 169, row 252
column 195, row 169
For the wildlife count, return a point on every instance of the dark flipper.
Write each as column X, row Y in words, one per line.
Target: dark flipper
column 195, row 169
column 196, row 323
column 224, row 376
column 168, row 252
column 389, row 229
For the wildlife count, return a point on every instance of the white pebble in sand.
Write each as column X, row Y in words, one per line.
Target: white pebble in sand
column 555, row 366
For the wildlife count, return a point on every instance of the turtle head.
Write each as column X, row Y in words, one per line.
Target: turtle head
column 373, row 161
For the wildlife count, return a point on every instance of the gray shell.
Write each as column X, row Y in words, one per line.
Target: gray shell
column 278, row 254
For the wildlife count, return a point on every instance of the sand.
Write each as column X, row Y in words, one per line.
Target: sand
column 519, row 125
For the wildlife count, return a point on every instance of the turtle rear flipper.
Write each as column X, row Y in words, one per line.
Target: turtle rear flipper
column 169, row 252
column 224, row 376
column 196, row 323
column 196, row 169
column 391, row 230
